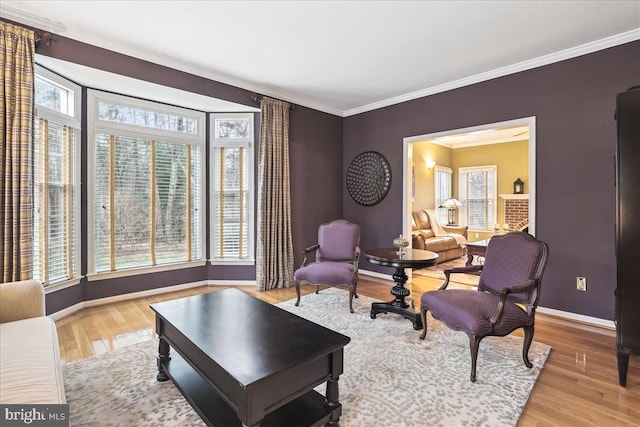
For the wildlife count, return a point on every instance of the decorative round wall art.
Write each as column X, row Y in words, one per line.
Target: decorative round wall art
column 368, row 178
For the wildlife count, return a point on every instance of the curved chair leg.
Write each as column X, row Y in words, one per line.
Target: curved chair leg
column 528, row 339
column 423, row 316
column 474, row 343
column 298, row 292
column 355, row 288
column 351, row 294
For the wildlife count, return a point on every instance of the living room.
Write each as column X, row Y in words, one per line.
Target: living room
column 573, row 100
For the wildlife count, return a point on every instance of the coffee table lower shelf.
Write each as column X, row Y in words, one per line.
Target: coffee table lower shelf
column 307, row 410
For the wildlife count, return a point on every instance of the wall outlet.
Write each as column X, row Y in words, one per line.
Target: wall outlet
column 581, row 283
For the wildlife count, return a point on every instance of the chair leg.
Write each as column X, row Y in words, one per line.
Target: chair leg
column 474, row 344
column 423, row 316
column 317, row 289
column 528, row 339
column 298, row 292
column 351, row 294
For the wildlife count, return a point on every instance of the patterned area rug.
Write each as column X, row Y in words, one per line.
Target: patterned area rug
column 437, row 272
column 391, row 378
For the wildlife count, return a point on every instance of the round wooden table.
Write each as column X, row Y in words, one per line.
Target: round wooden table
column 407, row 258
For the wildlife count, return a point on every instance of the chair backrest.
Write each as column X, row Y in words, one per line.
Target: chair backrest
column 338, row 240
column 511, row 260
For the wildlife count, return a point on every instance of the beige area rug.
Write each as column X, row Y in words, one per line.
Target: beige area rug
column 437, row 271
column 391, row 378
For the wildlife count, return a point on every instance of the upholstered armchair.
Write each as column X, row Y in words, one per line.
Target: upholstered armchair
column 506, row 298
column 336, row 259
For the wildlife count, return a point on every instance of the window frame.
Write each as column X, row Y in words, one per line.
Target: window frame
column 461, row 182
column 96, row 126
column 248, row 143
column 72, row 120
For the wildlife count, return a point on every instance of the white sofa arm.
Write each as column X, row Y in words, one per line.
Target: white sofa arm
column 21, row 300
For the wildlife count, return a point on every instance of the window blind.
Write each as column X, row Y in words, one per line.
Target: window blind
column 478, row 195
column 230, row 211
column 231, row 177
column 147, row 201
column 55, row 200
column 442, row 192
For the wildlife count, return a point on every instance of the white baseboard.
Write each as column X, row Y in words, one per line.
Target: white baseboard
column 124, row 297
column 375, row 274
column 566, row 315
column 580, row 318
column 231, row 282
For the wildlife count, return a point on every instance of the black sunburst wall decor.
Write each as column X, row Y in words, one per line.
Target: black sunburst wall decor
column 368, row 178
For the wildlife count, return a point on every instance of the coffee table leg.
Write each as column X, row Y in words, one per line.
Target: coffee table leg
column 163, row 357
column 332, row 401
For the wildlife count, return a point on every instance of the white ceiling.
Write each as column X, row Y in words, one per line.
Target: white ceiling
column 341, row 57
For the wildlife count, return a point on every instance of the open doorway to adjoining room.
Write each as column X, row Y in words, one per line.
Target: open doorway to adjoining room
column 494, row 159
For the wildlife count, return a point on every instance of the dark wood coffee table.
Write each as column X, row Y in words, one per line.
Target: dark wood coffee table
column 240, row 361
column 408, row 258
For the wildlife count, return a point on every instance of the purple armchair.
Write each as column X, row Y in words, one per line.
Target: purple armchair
column 509, row 280
column 337, row 256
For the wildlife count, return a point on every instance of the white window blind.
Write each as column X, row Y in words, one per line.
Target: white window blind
column 55, row 201
column 443, row 177
column 147, row 194
column 232, row 187
column 478, row 195
column 56, row 238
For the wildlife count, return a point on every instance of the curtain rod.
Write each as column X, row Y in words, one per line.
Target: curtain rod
column 42, row 36
column 258, row 99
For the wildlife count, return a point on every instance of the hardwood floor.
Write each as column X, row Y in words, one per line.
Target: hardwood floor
column 577, row 387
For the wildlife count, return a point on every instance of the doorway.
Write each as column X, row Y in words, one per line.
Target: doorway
column 415, row 164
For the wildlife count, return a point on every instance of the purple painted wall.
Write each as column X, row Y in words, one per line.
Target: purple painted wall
column 573, row 102
column 316, row 175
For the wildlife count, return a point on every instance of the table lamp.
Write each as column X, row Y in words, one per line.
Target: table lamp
column 451, row 204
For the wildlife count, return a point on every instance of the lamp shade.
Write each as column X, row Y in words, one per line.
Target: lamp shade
column 451, row 204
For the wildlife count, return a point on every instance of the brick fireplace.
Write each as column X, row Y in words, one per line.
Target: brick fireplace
column 516, row 211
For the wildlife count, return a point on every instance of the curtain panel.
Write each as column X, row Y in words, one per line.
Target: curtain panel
column 17, row 51
column 274, row 252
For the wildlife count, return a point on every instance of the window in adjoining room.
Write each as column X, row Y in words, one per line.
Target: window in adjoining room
column 56, row 229
column 146, row 183
column 443, row 176
column 478, row 196
column 232, row 194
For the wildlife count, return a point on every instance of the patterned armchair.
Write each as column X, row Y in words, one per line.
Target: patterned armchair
column 506, row 299
column 337, row 255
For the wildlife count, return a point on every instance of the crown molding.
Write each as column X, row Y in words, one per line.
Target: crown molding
column 31, row 20
column 562, row 55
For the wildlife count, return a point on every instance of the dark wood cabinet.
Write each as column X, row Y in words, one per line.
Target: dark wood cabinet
column 627, row 228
